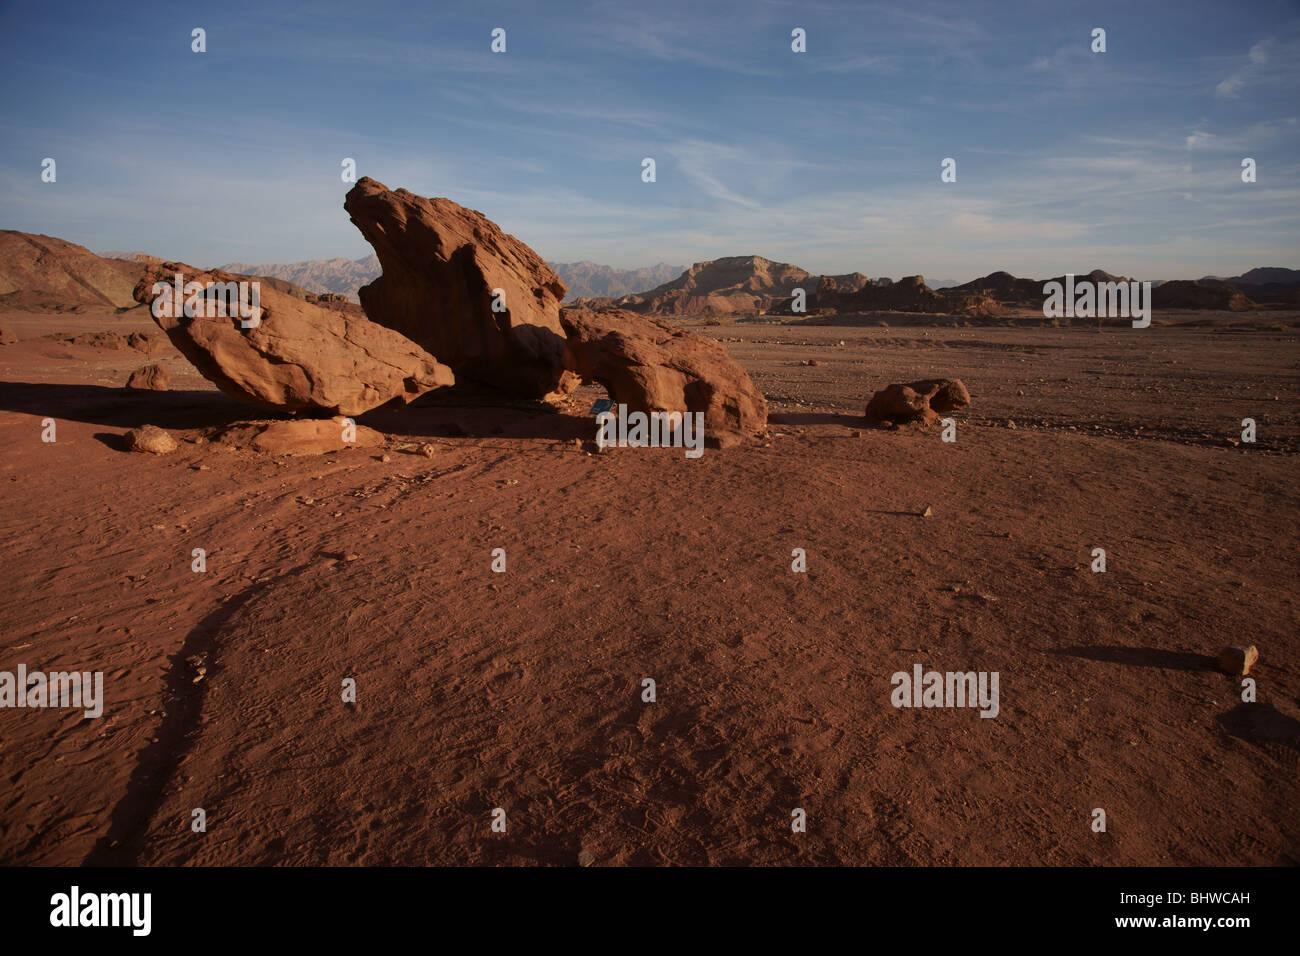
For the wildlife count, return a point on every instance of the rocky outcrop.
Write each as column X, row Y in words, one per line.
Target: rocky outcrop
column 297, row 357
column 454, row 283
column 909, row 294
column 729, row 285
column 920, row 403
column 652, row 366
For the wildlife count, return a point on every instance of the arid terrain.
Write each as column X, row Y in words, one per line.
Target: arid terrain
column 523, row 690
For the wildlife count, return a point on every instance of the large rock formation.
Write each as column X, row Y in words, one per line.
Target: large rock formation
column 299, row 356
column 442, row 263
column 652, row 366
column 920, row 403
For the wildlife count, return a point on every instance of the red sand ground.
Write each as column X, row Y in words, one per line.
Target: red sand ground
column 523, row 690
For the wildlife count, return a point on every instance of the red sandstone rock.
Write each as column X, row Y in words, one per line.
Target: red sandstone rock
column 152, row 377
column 442, row 266
column 313, row 436
column 652, row 366
column 150, row 439
column 299, row 357
column 919, row 402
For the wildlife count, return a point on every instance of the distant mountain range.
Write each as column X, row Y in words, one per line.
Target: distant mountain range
column 44, row 272
column 346, row 276
column 754, row 285
column 586, row 279
column 340, row 276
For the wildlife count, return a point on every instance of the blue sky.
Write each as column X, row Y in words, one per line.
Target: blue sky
column 1067, row 160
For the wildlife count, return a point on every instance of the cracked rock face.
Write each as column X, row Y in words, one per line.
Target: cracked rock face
column 652, row 366
column 453, row 282
column 297, row 357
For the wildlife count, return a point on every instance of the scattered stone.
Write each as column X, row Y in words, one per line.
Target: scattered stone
column 151, row 377
column 427, row 450
column 927, row 512
column 151, row 440
column 100, row 340
column 1238, row 659
column 385, row 458
column 7, row 336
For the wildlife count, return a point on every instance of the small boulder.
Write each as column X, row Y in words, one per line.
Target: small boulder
column 151, row 440
column 652, row 366
column 1238, row 659
column 918, row 402
column 144, row 341
column 7, row 336
column 152, row 377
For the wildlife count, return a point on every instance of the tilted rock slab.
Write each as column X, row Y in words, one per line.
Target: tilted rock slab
column 442, row 263
column 299, row 356
column 652, row 366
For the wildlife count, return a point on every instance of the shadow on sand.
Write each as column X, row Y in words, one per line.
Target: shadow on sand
column 817, row 418
column 449, row 413
column 1142, row 657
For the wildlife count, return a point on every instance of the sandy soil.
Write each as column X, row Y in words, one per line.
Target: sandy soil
column 522, row 690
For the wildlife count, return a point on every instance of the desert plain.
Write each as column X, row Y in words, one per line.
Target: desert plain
column 523, row 690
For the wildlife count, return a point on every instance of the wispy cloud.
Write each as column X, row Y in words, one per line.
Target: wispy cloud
column 1232, row 85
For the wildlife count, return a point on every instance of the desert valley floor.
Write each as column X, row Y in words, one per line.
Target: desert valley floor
column 522, row 690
